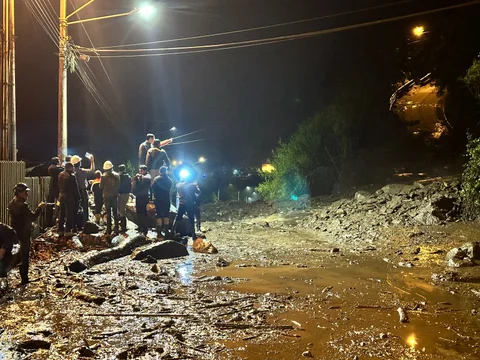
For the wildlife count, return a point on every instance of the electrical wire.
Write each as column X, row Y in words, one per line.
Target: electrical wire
column 262, row 27
column 42, row 20
column 264, row 41
column 190, row 133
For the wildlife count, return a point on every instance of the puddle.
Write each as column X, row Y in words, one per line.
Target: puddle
column 345, row 309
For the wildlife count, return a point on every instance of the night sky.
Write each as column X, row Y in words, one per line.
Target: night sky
column 244, row 100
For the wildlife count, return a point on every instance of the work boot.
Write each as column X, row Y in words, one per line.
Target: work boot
column 123, row 224
column 159, row 233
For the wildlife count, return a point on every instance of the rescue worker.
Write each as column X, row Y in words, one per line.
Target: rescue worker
column 110, row 184
column 143, row 149
column 69, row 198
column 123, row 195
column 186, row 204
column 161, row 187
column 8, row 237
column 82, row 174
column 53, row 170
column 97, row 196
column 21, row 221
column 197, row 209
column 140, row 187
column 156, row 158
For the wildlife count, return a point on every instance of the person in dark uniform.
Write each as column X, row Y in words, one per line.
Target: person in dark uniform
column 8, row 237
column 197, row 209
column 110, row 184
column 53, row 170
column 82, row 175
column 123, row 196
column 69, row 198
column 140, row 187
column 186, row 199
column 161, row 187
column 156, row 158
column 97, row 196
column 143, row 149
column 21, row 221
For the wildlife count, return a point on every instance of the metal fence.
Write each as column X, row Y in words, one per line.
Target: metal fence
column 11, row 173
column 38, row 193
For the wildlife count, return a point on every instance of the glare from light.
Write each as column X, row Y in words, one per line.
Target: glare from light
column 184, row 173
column 248, row 188
column 173, row 128
column 418, row 31
column 201, row 159
column 146, row 11
column 412, row 340
column 174, row 162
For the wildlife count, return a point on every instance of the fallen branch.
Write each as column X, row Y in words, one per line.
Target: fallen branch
column 69, row 291
column 139, row 315
column 108, row 334
column 248, row 326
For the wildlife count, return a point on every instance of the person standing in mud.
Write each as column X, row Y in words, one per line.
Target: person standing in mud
column 8, row 237
column 53, row 171
column 161, row 187
column 123, row 195
column 140, row 187
column 197, row 209
column 21, row 221
column 110, row 184
column 69, row 198
column 186, row 204
column 97, row 196
column 82, row 175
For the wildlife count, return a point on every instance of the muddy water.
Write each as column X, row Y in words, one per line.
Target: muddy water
column 340, row 311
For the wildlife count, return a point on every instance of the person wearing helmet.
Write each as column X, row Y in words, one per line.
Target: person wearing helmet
column 110, row 184
column 123, row 195
column 69, row 198
column 21, row 217
column 140, row 187
column 8, row 237
column 53, row 171
column 161, row 187
column 143, row 149
column 156, row 157
column 82, row 174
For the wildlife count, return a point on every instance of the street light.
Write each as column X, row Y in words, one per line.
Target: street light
column 418, row 31
column 173, row 128
column 201, row 159
column 147, row 11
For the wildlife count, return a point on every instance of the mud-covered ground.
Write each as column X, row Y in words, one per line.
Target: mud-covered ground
column 275, row 290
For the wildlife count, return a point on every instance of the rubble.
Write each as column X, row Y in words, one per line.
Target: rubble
column 464, row 255
column 362, row 218
column 167, row 249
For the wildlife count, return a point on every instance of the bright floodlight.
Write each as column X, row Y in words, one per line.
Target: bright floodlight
column 418, row 31
column 173, row 128
column 146, row 11
column 184, row 173
column 201, row 159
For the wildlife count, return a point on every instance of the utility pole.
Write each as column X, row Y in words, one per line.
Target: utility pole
column 8, row 136
column 62, row 82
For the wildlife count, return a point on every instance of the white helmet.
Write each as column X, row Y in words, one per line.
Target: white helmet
column 75, row 159
column 107, row 165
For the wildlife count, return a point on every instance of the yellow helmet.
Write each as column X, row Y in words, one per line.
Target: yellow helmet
column 75, row 159
column 107, row 165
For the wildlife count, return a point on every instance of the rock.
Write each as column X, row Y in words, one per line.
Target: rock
column 91, row 228
column 397, row 189
column 370, row 248
column 149, row 260
column 163, row 250
column 361, row 196
column 383, row 336
column 405, row 264
column 465, row 262
column 340, row 212
column 416, row 251
column 86, row 352
column 472, row 249
column 155, row 268
column 44, row 332
column 307, row 354
column 34, row 344
column 335, row 250
column 133, row 352
column 456, row 253
column 221, row 262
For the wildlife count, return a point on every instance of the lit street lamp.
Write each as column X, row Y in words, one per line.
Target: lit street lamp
column 63, row 56
column 418, row 31
column 201, row 160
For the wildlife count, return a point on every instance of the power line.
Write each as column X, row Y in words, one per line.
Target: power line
column 262, row 27
column 265, row 41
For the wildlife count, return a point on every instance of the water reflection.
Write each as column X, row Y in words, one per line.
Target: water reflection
column 184, row 271
column 412, row 341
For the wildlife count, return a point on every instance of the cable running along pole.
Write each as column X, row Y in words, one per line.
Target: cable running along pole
column 62, row 81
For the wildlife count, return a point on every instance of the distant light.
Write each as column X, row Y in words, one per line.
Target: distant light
column 147, row 11
column 173, row 128
column 184, row 173
column 248, row 188
column 174, row 162
column 235, row 172
column 418, row 31
column 294, row 198
column 201, row 159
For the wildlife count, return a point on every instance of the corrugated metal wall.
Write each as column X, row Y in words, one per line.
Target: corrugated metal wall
column 11, row 173
column 38, row 193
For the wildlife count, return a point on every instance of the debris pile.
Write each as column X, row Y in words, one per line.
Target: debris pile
column 361, row 218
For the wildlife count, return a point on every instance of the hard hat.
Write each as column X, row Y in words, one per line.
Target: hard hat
column 107, row 165
column 75, row 159
column 20, row 187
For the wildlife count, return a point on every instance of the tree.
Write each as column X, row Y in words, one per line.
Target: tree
column 472, row 79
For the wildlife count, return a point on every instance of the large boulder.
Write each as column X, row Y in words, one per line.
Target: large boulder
column 362, row 196
column 162, row 250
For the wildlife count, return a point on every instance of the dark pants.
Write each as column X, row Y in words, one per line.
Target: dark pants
column 51, row 210
column 68, row 212
column 5, row 262
column 141, row 203
column 190, row 211
column 25, row 257
column 111, row 208
column 84, row 204
column 197, row 216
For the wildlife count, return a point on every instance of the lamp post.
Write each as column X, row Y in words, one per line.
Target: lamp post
column 63, row 64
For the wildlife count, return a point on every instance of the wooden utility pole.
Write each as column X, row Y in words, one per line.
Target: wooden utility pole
column 9, row 132
column 62, row 82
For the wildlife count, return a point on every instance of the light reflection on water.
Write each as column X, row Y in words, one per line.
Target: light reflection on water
column 184, row 271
